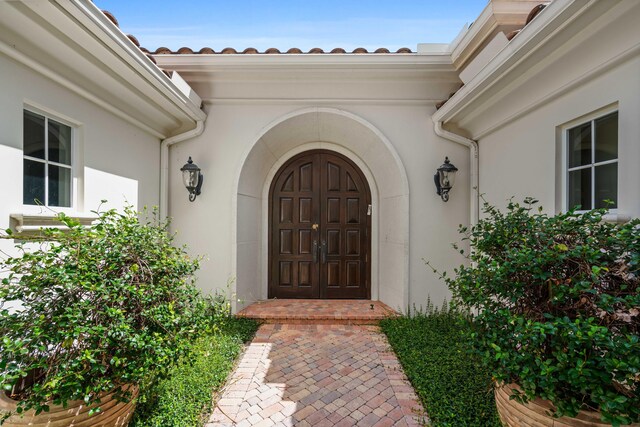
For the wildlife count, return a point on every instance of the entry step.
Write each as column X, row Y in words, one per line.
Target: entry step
column 318, row 312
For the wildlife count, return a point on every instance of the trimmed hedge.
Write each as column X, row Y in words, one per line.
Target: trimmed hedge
column 454, row 387
column 184, row 398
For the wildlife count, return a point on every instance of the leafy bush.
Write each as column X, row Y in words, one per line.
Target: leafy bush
column 99, row 308
column 183, row 399
column 558, row 307
column 454, row 387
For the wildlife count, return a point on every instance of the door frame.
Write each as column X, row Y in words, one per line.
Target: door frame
column 372, row 220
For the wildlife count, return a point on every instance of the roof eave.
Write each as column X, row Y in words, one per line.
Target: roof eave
column 217, row 62
column 540, row 31
column 86, row 12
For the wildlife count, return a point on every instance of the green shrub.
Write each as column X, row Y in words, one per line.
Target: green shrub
column 100, row 307
column 455, row 388
column 183, row 399
column 558, row 307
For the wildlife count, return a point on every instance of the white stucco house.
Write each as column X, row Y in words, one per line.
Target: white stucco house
column 318, row 166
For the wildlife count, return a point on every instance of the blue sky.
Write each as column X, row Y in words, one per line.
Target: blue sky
column 289, row 23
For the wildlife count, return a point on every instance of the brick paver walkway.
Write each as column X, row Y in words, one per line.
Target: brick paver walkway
column 318, row 375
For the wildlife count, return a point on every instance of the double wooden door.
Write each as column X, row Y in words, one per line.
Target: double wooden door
column 319, row 229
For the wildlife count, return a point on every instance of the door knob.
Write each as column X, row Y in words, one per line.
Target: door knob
column 314, row 226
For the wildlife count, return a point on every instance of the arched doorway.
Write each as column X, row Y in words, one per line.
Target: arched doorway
column 338, row 131
column 319, row 228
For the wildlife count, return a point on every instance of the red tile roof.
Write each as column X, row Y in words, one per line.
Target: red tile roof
column 247, row 51
column 271, row 51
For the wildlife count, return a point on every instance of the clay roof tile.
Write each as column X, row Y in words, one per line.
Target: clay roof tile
column 512, row 34
column 441, row 103
column 534, row 12
column 133, row 40
column 111, row 17
column 151, row 58
column 270, row 51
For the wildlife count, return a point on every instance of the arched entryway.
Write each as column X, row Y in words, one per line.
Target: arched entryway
column 365, row 146
column 319, row 228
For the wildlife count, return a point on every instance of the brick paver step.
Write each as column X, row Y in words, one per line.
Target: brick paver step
column 318, row 312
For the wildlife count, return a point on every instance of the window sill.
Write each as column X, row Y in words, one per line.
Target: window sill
column 613, row 217
column 616, row 218
column 30, row 223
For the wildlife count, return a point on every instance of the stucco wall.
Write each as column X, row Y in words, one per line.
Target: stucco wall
column 600, row 68
column 233, row 129
column 114, row 160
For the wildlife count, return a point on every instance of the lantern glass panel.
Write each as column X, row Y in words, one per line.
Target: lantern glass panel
column 190, row 178
column 447, row 178
column 451, row 177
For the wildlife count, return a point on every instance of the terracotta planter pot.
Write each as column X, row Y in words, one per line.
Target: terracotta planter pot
column 76, row 414
column 534, row 413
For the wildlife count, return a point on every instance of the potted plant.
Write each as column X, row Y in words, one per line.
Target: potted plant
column 88, row 315
column 556, row 302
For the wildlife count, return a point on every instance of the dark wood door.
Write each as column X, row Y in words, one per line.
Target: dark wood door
column 319, row 235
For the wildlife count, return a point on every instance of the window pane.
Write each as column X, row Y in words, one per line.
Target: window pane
column 59, row 186
column 607, row 138
column 579, row 145
column 33, row 183
column 580, row 189
column 59, row 143
column 33, row 129
column 606, row 185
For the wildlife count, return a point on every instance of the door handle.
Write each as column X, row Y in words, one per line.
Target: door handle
column 323, row 252
column 314, row 251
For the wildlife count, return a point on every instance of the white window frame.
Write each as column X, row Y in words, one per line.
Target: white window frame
column 587, row 118
column 74, row 167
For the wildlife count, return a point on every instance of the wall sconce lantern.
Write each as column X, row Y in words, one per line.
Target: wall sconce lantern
column 192, row 179
column 444, row 179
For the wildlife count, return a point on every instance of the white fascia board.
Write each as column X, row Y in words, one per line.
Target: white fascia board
column 184, row 87
column 557, row 15
column 433, row 48
column 485, row 56
column 92, row 18
column 370, row 61
column 495, row 14
column 484, row 24
column 461, row 35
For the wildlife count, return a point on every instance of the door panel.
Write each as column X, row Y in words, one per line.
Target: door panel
column 294, row 204
column 344, row 228
column 319, row 236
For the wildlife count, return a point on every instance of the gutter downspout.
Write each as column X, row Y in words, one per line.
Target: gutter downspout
column 164, row 163
column 474, row 213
